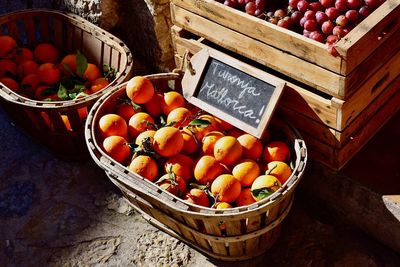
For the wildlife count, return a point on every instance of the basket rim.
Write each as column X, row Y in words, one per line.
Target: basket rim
column 126, row 177
column 11, row 96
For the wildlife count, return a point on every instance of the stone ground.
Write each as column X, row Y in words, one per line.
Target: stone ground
column 55, row 213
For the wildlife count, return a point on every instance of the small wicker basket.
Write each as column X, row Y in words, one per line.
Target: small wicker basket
column 232, row 234
column 69, row 33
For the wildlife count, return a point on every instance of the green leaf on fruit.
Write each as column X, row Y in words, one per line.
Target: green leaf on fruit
column 81, row 63
column 109, row 72
column 200, row 123
column 62, row 92
column 262, row 192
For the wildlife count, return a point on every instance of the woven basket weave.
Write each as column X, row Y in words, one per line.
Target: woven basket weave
column 232, row 234
column 69, row 33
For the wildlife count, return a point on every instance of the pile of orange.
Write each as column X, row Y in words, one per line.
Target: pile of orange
column 189, row 153
column 42, row 73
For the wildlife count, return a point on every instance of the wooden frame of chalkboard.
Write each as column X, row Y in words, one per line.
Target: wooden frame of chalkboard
column 230, row 89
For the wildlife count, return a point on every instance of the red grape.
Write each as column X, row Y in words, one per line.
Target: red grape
column 296, row 17
column 341, row 5
column 341, row 20
column 327, row 27
column 354, row 4
column 302, row 21
column 339, row 31
column 309, row 14
column 327, row 3
column 317, row 36
column 261, row 4
column 250, row 8
column 310, row 25
column 332, row 50
column 364, row 11
column 283, row 23
column 231, row 3
column 315, row 6
column 258, row 12
column 321, row 17
column 306, row 33
column 280, row 13
column 352, row 15
column 241, row 3
column 332, row 13
column 302, row 6
column 372, row 3
column 293, row 3
column 273, row 20
column 332, row 39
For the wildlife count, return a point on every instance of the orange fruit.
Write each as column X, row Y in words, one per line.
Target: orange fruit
column 117, row 148
column 92, row 72
column 228, row 150
column 49, row 73
column 280, row 170
column 226, row 188
column 246, row 171
column 153, row 106
column 139, row 89
column 222, row 205
column 30, row 83
column 198, row 197
column 245, row 198
column 201, row 131
column 276, row 151
column 22, row 55
column 8, row 68
column 144, row 166
column 139, row 123
column 263, row 186
column 68, row 64
column 252, row 146
column 181, row 165
column 190, row 145
column 235, row 132
column 223, row 124
column 168, row 141
column 43, row 91
column 27, row 67
column 98, row 84
column 10, row 83
column 45, row 53
column 112, row 124
column 179, row 117
column 171, row 101
column 207, row 169
column 173, row 183
column 126, row 111
column 146, row 136
column 8, row 46
column 209, row 140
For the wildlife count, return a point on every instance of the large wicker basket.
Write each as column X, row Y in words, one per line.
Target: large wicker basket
column 69, row 33
column 232, row 234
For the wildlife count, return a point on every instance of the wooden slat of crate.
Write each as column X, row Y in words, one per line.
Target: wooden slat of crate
column 332, row 112
column 238, row 40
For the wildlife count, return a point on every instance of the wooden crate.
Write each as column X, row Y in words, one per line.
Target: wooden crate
column 229, row 234
column 363, row 52
column 334, row 129
column 43, row 120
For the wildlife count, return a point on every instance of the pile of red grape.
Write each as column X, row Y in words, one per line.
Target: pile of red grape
column 325, row 21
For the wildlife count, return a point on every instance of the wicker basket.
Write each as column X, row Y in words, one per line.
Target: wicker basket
column 69, row 33
column 232, row 234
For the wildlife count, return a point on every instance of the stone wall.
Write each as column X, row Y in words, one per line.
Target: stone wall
column 144, row 25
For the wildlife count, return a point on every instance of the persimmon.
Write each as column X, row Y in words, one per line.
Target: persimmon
column 263, row 186
column 139, row 89
column 181, row 165
column 23, row 54
column 68, row 64
column 10, row 83
column 98, row 84
column 8, row 68
column 139, row 123
column 252, row 146
column 144, row 166
column 8, row 46
column 276, row 151
column 27, row 67
column 280, row 170
column 49, row 73
column 168, row 141
column 228, row 150
column 45, row 53
column 190, row 145
column 126, row 110
column 43, row 91
column 171, row 101
column 246, row 171
column 206, row 169
column 112, row 124
column 198, row 197
column 92, row 72
column 117, row 148
column 29, row 84
column 226, row 188
column 173, row 183
column 153, row 106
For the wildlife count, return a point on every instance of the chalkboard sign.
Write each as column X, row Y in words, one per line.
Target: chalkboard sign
column 232, row 90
